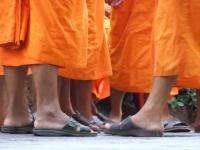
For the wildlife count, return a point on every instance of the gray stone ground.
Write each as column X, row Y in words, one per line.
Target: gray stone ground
column 180, row 141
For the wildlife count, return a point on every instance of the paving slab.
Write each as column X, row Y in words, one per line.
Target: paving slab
column 177, row 141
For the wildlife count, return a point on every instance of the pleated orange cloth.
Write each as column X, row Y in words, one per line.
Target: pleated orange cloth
column 131, row 47
column 1, row 71
column 101, row 89
column 1, row 67
column 177, row 41
column 98, row 60
column 57, row 32
column 107, row 27
column 13, row 33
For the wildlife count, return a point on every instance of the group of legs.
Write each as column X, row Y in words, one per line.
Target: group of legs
column 130, row 44
column 49, row 114
column 70, row 51
column 170, row 122
column 76, row 101
column 52, row 114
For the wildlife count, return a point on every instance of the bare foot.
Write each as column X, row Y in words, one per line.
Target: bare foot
column 143, row 122
column 17, row 120
column 147, row 122
column 56, row 120
column 114, row 118
column 197, row 126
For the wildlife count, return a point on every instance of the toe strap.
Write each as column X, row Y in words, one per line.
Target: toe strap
column 126, row 124
column 75, row 126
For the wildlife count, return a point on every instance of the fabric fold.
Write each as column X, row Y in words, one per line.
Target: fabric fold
column 14, row 26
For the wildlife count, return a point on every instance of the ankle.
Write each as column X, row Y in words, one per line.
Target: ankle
column 51, row 113
column 115, row 114
column 69, row 112
column 86, row 114
column 50, row 119
column 148, row 121
column 17, row 120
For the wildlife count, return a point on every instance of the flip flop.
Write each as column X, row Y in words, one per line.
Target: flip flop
column 96, row 121
column 70, row 129
column 82, row 120
column 102, row 117
column 79, row 118
column 197, row 129
column 175, row 125
column 128, row 128
column 26, row 129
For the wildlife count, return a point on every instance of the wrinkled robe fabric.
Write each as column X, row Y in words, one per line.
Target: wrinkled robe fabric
column 101, row 88
column 177, row 41
column 98, row 59
column 1, row 67
column 130, row 42
column 57, row 33
column 1, row 71
column 14, row 30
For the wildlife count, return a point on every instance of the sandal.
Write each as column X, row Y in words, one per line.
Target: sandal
column 26, row 129
column 128, row 128
column 175, row 125
column 96, row 121
column 103, row 118
column 79, row 118
column 82, row 120
column 72, row 128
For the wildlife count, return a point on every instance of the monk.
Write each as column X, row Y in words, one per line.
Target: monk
column 130, row 43
column 176, row 62
column 37, row 34
column 98, row 65
column 134, row 79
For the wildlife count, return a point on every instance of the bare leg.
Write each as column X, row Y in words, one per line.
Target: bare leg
column 30, row 94
column 166, row 113
column 64, row 96
column 49, row 114
column 197, row 121
column 116, row 105
column 150, row 116
column 3, row 99
column 74, row 92
column 17, row 113
column 94, row 109
column 85, row 98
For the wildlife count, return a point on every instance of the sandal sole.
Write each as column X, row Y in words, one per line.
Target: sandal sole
column 60, row 132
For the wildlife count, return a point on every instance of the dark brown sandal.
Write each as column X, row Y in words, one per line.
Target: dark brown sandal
column 175, row 125
column 82, row 120
column 26, row 129
column 96, row 121
column 128, row 128
column 103, row 118
column 78, row 117
column 72, row 128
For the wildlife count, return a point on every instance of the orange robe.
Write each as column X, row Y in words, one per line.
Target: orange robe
column 177, row 41
column 98, row 60
column 130, row 43
column 101, row 89
column 57, row 32
column 1, row 71
column 14, row 32
column 1, row 67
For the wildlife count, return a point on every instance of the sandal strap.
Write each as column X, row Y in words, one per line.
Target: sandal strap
column 81, row 119
column 96, row 121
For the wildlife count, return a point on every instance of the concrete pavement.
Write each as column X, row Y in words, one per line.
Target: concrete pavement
column 178, row 141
